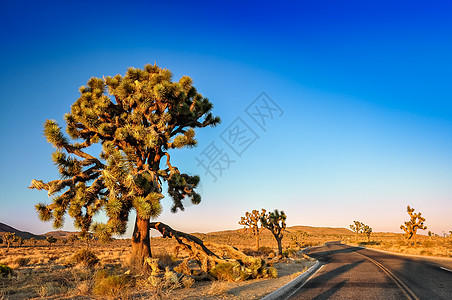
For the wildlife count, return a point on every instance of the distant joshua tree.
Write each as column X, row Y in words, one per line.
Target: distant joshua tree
column 357, row 228
column 20, row 241
column 51, row 240
column 72, row 239
column 361, row 228
column 367, row 230
column 252, row 220
column 297, row 239
column 416, row 222
column 276, row 223
column 33, row 242
column 9, row 238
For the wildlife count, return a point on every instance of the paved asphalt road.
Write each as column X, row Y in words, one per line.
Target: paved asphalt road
column 355, row 273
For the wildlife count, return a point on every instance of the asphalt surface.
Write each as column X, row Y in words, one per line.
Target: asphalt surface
column 355, row 273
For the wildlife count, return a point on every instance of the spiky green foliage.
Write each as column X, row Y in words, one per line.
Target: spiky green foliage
column 137, row 118
column 85, row 257
column 275, row 222
column 416, row 222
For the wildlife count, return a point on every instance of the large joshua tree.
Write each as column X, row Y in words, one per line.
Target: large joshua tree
column 275, row 222
column 416, row 222
column 137, row 118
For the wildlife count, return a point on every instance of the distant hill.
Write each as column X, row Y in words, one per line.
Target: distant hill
column 292, row 229
column 321, row 230
column 23, row 234
column 60, row 234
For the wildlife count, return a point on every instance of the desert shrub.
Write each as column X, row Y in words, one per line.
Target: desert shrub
column 230, row 272
column 111, row 286
column 223, row 271
column 426, row 252
column 263, row 251
column 164, row 283
column 289, row 252
column 401, row 243
column 272, row 272
column 427, row 244
column 85, row 257
column 6, row 271
column 50, row 289
column 165, row 259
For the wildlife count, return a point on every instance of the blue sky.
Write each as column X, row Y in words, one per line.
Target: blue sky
column 364, row 86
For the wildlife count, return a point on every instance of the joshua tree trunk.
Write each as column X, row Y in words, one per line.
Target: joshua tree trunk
column 141, row 248
column 257, row 242
column 279, row 246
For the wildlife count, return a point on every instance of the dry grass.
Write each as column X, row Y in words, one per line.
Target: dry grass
column 429, row 246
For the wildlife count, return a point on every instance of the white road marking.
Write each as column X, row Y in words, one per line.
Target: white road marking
column 446, row 269
column 294, row 292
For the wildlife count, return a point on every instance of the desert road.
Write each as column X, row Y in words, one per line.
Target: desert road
column 355, row 273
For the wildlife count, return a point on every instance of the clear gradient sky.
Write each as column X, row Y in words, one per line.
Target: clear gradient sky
column 365, row 88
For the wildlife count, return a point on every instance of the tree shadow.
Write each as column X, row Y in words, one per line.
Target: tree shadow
column 331, row 291
column 325, row 277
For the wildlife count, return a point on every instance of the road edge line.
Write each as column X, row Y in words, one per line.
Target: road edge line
column 402, row 254
column 277, row 294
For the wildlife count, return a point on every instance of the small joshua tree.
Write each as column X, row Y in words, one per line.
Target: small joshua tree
column 275, row 222
column 20, row 241
column 416, row 222
column 251, row 220
column 33, row 242
column 357, row 228
column 367, row 231
column 297, row 239
column 51, row 240
column 9, row 238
